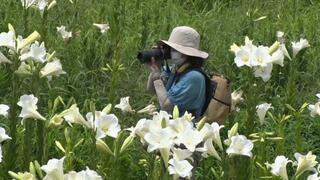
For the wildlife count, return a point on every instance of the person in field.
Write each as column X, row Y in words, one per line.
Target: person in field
column 177, row 83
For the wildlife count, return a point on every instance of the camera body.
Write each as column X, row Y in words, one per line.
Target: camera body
column 159, row 54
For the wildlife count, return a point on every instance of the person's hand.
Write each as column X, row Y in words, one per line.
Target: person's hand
column 154, row 67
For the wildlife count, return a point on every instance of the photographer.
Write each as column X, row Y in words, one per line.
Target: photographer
column 179, row 84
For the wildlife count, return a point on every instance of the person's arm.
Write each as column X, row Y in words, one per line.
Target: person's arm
column 162, row 95
column 152, row 76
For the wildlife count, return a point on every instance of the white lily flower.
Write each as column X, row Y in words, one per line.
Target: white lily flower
column 103, row 27
column 280, row 34
column 305, row 162
column 314, row 109
column 72, row 115
column 91, row 119
column 236, row 97
column 180, row 125
column 4, row 110
column 41, row 5
column 4, row 59
column 216, row 134
column 36, row 53
column 107, row 124
column 8, row 40
column 82, row 175
column 92, row 175
column 263, row 72
column 181, row 154
column 54, row 169
column 150, row 109
column 24, row 70
column 3, row 135
column 261, row 56
column 28, row 3
column 262, row 110
column 298, row 46
column 124, row 105
column 278, row 57
column 240, row 145
column 243, row 57
column 208, row 148
column 72, row 175
column 64, row 34
column 190, row 138
column 279, row 167
column 140, row 129
column 159, row 139
column 53, row 68
column 318, row 96
column 212, row 132
column 187, row 116
column 180, row 168
column 29, row 107
column 314, row 177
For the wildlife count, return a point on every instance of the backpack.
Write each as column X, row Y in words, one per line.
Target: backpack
column 217, row 104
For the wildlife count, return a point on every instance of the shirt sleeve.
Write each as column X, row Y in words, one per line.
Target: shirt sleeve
column 187, row 90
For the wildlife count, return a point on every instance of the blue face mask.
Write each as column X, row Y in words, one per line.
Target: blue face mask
column 176, row 58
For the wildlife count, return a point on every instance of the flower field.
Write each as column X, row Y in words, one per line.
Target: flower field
column 74, row 102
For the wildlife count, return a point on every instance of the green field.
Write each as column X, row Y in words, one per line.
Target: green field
column 102, row 68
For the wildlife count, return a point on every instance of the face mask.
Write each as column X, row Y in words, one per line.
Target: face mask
column 176, row 58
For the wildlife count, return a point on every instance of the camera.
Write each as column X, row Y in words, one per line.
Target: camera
column 159, row 53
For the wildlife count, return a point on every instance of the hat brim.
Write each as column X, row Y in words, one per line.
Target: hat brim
column 186, row 50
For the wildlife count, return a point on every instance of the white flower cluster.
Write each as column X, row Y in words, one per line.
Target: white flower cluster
column 39, row 4
column 30, row 51
column 54, row 170
column 315, row 108
column 261, row 58
column 64, row 34
column 177, row 140
column 304, row 163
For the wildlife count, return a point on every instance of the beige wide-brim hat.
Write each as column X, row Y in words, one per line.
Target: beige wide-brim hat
column 186, row 40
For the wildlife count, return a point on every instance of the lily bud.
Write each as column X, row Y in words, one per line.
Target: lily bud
column 163, row 123
column 175, row 112
column 201, row 123
column 126, row 143
column 30, row 39
column 59, row 145
column 103, row 147
column 14, row 175
column 51, row 56
column 274, row 47
column 11, row 28
column 67, row 135
column 234, row 129
column 234, row 48
column 38, row 169
column 52, row 4
column 56, row 120
column 107, row 109
column 32, row 169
